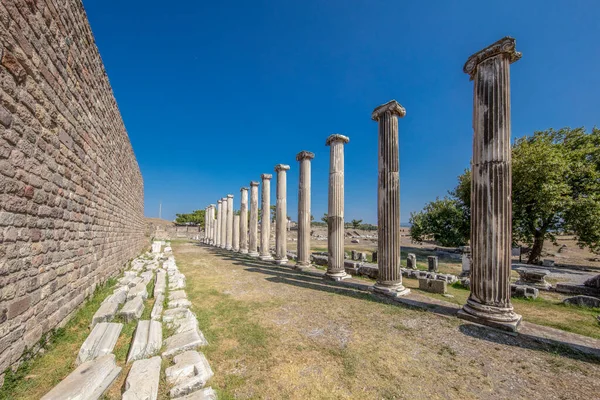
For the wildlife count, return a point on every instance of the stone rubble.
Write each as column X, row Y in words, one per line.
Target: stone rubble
column 190, row 372
column 147, row 340
column 101, row 341
column 133, row 309
column 143, row 380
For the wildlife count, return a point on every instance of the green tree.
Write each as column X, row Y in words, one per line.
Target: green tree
column 196, row 217
column 555, row 188
column 356, row 223
column 324, row 218
column 443, row 220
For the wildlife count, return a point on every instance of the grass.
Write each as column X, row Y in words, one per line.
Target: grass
column 36, row 377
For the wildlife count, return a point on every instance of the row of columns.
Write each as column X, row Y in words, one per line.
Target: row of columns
column 489, row 301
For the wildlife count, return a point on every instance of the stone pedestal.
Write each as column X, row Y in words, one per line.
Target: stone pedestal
column 244, row 221
column 265, row 220
column 303, row 252
column 253, row 230
column 432, row 264
column 411, row 261
column 533, row 277
column 224, row 223
column 236, row 233
column 281, row 215
column 389, row 279
column 335, row 214
column 219, row 219
column 229, row 223
column 466, row 261
column 491, row 205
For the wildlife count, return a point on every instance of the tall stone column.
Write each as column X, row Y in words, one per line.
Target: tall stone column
column 491, row 187
column 389, row 280
column 335, row 214
column 219, row 220
column 253, row 230
column 236, row 233
column 214, row 228
column 211, row 224
column 265, row 220
column 224, row 223
column 303, row 249
column 229, row 228
column 243, row 231
column 281, row 215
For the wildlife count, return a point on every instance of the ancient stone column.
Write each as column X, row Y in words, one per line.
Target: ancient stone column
column 236, row 233
column 432, row 264
column 253, row 230
column 281, row 215
column 224, row 223
column 211, row 224
column 243, row 231
column 335, row 214
column 389, row 280
column 219, row 220
column 491, row 187
column 229, row 228
column 303, row 250
column 265, row 220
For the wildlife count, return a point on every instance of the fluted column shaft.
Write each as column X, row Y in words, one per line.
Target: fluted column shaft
column 211, row 224
column 253, row 230
column 491, row 187
column 236, row 233
column 224, row 223
column 218, row 225
column 243, row 230
column 281, row 215
column 265, row 220
column 229, row 229
column 389, row 280
column 335, row 214
column 304, row 181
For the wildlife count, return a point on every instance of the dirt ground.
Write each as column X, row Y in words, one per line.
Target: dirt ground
column 275, row 333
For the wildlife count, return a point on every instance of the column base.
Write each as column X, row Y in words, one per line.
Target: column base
column 266, row 257
column 236, row 250
column 496, row 317
column 336, row 276
column 281, row 261
column 253, row 254
column 302, row 267
column 390, row 291
column 228, row 248
column 244, row 251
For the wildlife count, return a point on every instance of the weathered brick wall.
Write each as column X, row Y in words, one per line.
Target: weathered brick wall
column 71, row 192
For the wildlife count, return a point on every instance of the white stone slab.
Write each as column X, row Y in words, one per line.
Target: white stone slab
column 147, row 276
column 173, row 313
column 119, row 295
column 126, row 280
column 190, row 372
column 160, row 286
column 184, row 324
column 147, row 340
column 177, row 281
column 88, row 382
column 106, row 312
column 138, row 290
column 184, row 341
column 143, row 379
column 202, row 394
column 130, row 273
column 157, row 310
column 181, row 303
column 100, row 341
column 177, row 295
column 133, row 309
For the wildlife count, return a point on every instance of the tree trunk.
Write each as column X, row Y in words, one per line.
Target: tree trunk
column 536, row 251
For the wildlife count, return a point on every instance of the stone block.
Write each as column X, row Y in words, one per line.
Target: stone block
column 361, row 256
column 432, row 264
column 533, row 277
column 548, row 263
column 172, row 314
column 179, row 303
column 523, row 291
column 184, row 324
column 433, row 285
column 157, row 310
column 593, row 282
column 133, row 309
column 369, row 270
column 160, row 286
column 119, row 296
column 411, row 261
column 147, row 340
column 100, row 341
column 143, row 380
column 190, row 372
column 319, row 259
column 184, row 341
column 106, row 312
column 176, row 281
column 147, row 276
column 89, row 380
column 583, row 301
column 138, row 290
column 202, row 394
column 177, row 295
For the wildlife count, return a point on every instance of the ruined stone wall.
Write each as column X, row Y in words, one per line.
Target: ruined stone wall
column 71, row 192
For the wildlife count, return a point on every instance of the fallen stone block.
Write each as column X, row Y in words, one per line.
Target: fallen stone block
column 119, row 295
column 533, row 277
column 173, row 313
column 130, row 273
column 525, row 291
column 449, row 278
column 138, row 290
column 184, row 341
column 88, row 382
column 158, row 307
column 177, row 295
column 593, row 282
column 319, row 259
column 583, row 301
column 133, row 309
column 369, row 270
column 106, row 312
column 100, row 341
column 571, row 288
column 187, row 323
column 433, row 285
column 160, row 286
column 177, row 281
column 202, row 394
column 147, row 340
column 143, row 379
column 127, row 280
column 190, row 372
column 147, row 276
column 179, row 303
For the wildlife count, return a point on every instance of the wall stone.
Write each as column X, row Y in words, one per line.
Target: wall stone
column 71, row 191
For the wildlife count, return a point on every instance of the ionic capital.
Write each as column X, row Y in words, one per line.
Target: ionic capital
column 392, row 107
column 282, row 167
column 506, row 45
column 336, row 137
column 254, row 183
column 266, row 177
column 305, row 155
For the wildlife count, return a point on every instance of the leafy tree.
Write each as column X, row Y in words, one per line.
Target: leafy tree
column 556, row 188
column 324, row 218
column 356, row 223
column 443, row 220
column 196, row 217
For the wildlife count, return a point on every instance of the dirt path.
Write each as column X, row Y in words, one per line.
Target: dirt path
column 275, row 333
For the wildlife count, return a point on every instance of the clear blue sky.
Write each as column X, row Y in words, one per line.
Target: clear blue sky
column 215, row 93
